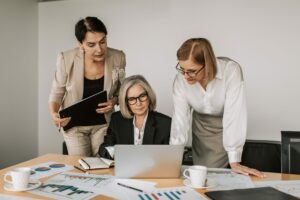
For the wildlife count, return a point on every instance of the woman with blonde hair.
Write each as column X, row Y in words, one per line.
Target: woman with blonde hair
column 209, row 98
column 136, row 122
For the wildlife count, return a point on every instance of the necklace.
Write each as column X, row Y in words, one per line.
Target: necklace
column 93, row 73
column 139, row 137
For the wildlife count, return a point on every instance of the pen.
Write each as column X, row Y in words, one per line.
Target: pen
column 59, row 126
column 127, row 186
column 81, row 169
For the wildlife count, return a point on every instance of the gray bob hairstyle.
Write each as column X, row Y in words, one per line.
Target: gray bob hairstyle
column 126, row 85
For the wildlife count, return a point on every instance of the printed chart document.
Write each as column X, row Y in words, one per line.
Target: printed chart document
column 48, row 169
column 73, row 186
column 289, row 187
column 183, row 193
column 95, row 163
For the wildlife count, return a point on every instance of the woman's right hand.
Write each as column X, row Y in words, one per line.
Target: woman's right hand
column 60, row 122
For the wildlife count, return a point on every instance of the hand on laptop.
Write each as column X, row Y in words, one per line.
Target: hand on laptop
column 241, row 169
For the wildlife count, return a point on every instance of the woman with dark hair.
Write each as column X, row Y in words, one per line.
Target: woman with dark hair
column 80, row 73
column 136, row 123
column 209, row 97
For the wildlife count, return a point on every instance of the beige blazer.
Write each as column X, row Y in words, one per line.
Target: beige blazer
column 68, row 82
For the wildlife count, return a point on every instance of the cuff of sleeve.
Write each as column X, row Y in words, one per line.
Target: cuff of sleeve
column 234, row 156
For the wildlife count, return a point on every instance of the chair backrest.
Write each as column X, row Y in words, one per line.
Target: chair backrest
column 187, row 156
column 290, row 152
column 262, row 155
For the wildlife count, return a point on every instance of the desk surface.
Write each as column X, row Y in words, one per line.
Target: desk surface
column 73, row 160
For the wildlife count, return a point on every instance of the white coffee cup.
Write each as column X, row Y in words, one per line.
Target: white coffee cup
column 196, row 174
column 19, row 177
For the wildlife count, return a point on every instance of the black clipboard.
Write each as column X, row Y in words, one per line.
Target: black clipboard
column 82, row 109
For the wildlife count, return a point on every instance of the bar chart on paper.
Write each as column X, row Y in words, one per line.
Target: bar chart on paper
column 175, row 193
column 84, row 180
column 70, row 185
column 64, row 192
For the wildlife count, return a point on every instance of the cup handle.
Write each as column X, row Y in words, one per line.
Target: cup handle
column 185, row 173
column 5, row 178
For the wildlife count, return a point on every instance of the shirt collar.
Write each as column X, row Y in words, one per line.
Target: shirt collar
column 144, row 123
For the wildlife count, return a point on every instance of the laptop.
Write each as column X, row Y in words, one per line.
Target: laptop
column 148, row 161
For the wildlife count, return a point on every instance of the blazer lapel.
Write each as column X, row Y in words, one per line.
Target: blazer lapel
column 149, row 129
column 126, row 131
column 78, row 75
column 108, row 73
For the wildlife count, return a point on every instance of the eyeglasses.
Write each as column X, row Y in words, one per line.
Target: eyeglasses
column 142, row 97
column 190, row 73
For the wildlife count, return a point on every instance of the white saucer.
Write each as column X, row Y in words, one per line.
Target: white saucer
column 32, row 185
column 210, row 184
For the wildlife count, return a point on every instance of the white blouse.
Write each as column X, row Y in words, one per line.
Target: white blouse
column 139, row 133
column 224, row 96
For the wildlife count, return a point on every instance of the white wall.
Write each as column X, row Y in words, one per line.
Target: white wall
column 18, row 81
column 262, row 35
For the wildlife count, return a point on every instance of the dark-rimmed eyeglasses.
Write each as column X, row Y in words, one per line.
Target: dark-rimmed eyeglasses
column 142, row 97
column 190, row 73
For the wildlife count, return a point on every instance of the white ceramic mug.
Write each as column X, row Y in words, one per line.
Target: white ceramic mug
column 196, row 174
column 19, row 177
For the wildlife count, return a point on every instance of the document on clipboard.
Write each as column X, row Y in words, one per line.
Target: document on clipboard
column 82, row 109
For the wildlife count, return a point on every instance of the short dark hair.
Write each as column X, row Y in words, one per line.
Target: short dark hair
column 88, row 24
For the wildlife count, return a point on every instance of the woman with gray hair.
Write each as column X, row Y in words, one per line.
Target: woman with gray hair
column 136, row 122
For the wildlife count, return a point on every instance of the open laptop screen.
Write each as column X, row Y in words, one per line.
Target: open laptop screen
column 148, row 161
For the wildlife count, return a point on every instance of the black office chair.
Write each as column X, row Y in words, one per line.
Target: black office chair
column 187, row 156
column 262, row 155
column 64, row 148
column 290, row 152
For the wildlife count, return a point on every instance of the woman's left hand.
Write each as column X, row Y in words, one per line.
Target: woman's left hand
column 107, row 106
column 241, row 169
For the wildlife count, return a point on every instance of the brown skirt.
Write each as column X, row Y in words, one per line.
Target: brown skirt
column 207, row 141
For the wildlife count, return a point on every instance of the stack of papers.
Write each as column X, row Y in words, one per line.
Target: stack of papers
column 225, row 179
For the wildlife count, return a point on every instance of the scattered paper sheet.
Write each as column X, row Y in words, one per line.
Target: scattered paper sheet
column 48, row 169
column 183, row 193
column 73, row 186
column 289, row 187
column 70, row 185
column 225, row 179
column 65, row 192
column 127, row 193
column 82, row 180
column 12, row 197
